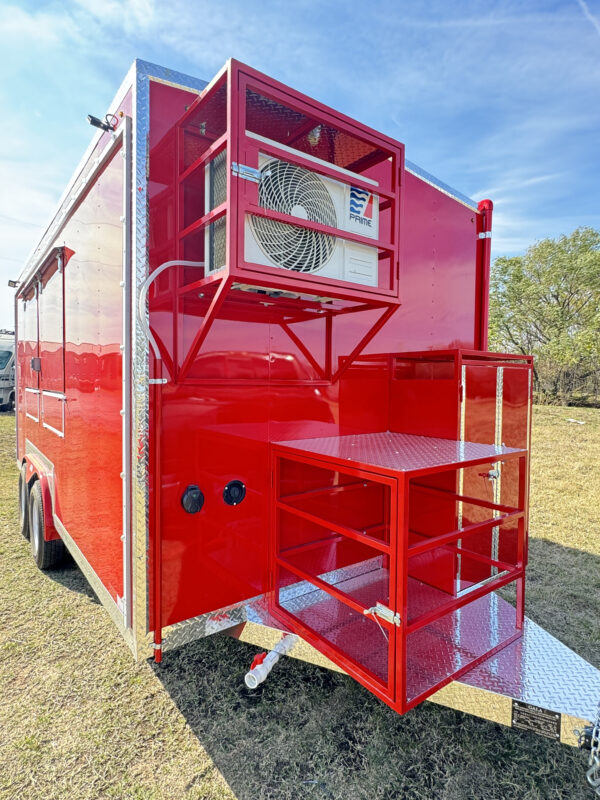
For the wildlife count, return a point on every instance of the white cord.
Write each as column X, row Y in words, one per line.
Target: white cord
column 143, row 311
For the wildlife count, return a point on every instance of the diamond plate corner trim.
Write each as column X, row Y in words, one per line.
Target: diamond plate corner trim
column 140, row 453
column 140, row 367
column 204, row 625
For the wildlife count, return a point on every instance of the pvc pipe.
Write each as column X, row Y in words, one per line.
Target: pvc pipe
column 259, row 673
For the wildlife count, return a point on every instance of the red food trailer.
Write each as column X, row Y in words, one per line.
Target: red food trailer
column 254, row 394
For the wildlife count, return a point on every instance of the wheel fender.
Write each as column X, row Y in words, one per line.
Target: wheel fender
column 36, row 470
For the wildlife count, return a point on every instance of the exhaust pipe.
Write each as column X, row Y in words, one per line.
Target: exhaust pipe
column 263, row 663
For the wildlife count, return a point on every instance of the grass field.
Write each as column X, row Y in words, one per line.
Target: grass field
column 79, row 719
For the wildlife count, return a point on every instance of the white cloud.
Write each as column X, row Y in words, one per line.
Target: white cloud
column 589, row 16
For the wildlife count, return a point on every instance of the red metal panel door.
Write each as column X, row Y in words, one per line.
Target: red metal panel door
column 27, row 352
column 52, row 347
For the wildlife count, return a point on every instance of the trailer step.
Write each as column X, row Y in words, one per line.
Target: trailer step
column 536, row 683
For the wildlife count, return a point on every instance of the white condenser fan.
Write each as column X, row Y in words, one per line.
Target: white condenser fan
column 291, row 189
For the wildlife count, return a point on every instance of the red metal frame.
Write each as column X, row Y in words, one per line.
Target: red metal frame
column 399, row 551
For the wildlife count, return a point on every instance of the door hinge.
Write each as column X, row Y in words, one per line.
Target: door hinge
column 485, row 235
column 248, row 173
column 385, row 613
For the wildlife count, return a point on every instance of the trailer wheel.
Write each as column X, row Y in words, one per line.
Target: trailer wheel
column 46, row 554
column 24, row 502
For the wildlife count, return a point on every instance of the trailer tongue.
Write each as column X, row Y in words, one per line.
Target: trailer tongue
column 254, row 395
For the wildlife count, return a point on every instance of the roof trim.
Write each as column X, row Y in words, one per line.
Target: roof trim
column 443, row 187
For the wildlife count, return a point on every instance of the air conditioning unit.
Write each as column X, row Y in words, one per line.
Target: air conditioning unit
column 291, row 189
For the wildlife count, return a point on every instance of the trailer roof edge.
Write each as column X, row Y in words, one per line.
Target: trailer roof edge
column 418, row 172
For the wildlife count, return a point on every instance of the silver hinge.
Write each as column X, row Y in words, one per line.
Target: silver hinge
column 248, row 173
column 383, row 612
column 485, row 235
column 158, row 381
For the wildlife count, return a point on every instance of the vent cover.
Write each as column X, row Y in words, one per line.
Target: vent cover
column 290, row 189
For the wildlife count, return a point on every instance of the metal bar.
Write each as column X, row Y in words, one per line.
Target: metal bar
column 319, row 165
column 485, row 207
column 325, row 490
column 483, row 582
column 212, row 151
column 328, row 588
column 456, row 603
column 126, row 376
column 304, row 350
column 400, row 587
column 297, row 222
column 350, row 533
column 473, row 501
column 481, row 558
column 213, row 310
column 446, row 538
column 315, row 543
column 328, row 345
column 201, row 283
column 213, row 215
column 364, row 342
column 157, row 564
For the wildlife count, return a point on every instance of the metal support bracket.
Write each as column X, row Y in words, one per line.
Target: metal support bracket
column 385, row 613
column 248, row 173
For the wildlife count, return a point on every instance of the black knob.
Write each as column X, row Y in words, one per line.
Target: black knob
column 234, row 493
column 192, row 499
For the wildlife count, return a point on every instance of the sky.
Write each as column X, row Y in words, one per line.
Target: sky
column 498, row 99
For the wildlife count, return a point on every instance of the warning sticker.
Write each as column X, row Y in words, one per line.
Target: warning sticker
column 528, row 717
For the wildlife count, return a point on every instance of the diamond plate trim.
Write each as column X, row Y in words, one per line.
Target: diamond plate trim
column 400, row 452
column 144, row 73
column 197, row 627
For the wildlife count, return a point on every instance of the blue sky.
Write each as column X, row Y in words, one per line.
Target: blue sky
column 499, row 99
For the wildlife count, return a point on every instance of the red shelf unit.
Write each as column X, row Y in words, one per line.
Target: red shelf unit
column 367, row 537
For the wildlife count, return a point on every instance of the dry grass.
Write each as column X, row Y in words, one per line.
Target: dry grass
column 80, row 720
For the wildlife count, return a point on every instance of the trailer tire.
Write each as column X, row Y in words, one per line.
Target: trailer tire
column 23, row 502
column 45, row 554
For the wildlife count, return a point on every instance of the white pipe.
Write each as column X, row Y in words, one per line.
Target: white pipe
column 260, row 671
column 142, row 312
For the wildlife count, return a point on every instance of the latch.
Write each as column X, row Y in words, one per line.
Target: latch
column 248, row 173
column 383, row 612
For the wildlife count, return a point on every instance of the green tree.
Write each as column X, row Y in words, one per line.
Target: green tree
column 547, row 303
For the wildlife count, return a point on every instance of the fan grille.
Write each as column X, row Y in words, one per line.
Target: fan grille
column 290, row 189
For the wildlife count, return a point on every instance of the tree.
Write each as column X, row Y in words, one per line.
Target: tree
column 547, row 303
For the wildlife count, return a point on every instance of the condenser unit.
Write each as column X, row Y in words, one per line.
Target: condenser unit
column 291, row 189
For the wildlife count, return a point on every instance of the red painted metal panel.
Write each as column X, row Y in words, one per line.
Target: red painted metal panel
column 87, row 461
